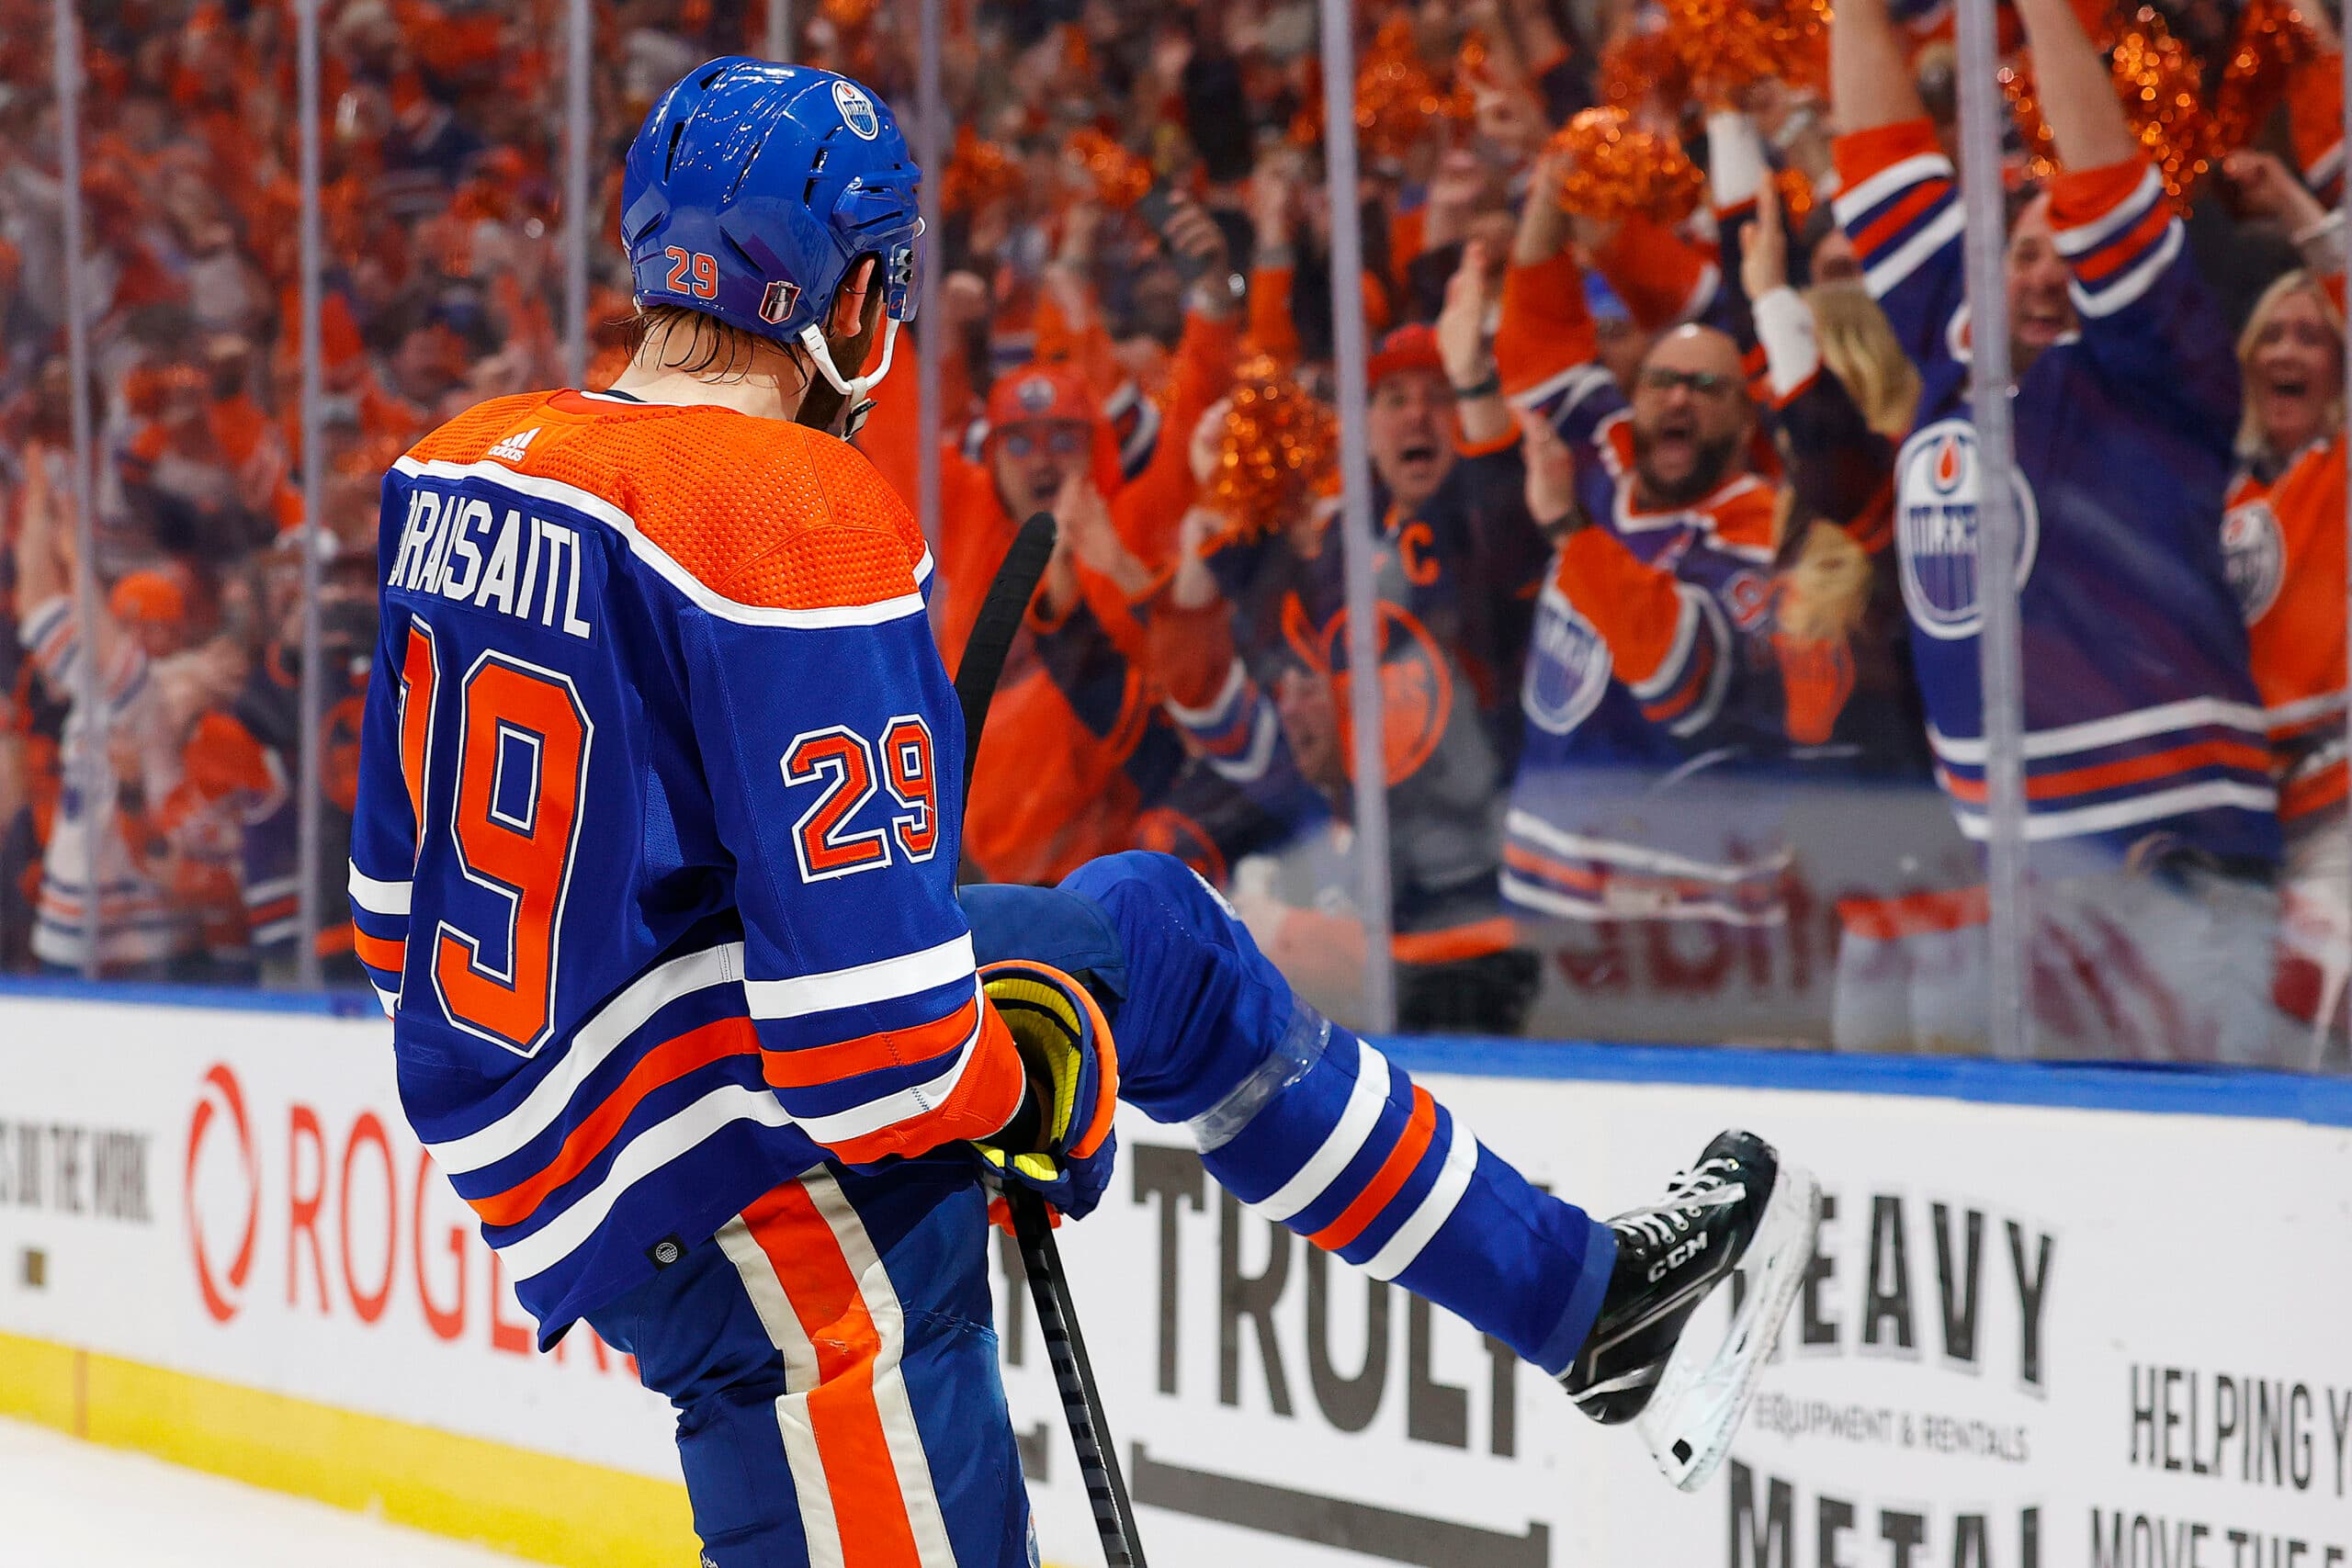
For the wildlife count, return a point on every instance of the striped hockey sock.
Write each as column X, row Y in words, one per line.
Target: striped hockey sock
column 1330, row 1139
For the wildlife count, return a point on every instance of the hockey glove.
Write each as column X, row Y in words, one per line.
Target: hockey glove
column 1073, row 1086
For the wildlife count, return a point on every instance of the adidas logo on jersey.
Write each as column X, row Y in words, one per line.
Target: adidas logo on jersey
column 511, row 449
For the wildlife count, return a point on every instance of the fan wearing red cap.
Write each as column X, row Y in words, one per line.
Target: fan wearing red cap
column 1410, row 426
column 1049, row 448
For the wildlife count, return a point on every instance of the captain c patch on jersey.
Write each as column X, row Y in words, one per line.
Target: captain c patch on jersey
column 461, row 548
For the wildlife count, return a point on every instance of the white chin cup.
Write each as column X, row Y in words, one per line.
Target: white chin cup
column 854, row 388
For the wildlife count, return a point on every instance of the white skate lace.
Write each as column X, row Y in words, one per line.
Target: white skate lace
column 1691, row 1192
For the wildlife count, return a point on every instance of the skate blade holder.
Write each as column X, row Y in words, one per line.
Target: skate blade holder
column 1705, row 1390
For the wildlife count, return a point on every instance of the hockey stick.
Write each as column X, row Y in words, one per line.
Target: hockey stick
column 1106, row 1487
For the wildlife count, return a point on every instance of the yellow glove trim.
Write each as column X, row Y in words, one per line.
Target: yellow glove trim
column 1061, row 1056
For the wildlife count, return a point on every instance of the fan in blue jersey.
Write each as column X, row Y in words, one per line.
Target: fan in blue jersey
column 2150, row 803
column 654, row 869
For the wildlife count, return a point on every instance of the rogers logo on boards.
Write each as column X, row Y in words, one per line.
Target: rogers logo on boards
column 221, row 1094
column 341, row 1217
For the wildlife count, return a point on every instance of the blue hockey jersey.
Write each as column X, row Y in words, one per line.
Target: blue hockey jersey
column 2139, row 715
column 654, row 855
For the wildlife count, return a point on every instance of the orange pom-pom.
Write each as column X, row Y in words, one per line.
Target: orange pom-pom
column 1279, row 451
column 849, row 14
column 1397, row 97
column 2160, row 84
column 978, row 172
column 1726, row 45
column 1120, row 177
column 1643, row 65
column 2024, row 95
column 1615, row 171
column 2272, row 40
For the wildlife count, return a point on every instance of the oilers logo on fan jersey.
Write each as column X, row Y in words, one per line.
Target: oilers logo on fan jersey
column 2253, row 555
column 1938, row 478
column 1568, row 672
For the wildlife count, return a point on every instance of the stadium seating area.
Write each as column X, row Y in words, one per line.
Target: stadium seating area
column 1672, row 501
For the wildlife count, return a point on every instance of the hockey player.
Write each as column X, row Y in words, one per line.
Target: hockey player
column 654, row 868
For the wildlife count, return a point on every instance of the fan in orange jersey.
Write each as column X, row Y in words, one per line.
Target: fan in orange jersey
column 2283, row 543
column 1047, row 444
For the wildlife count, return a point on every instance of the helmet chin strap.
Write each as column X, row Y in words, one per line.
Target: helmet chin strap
column 855, row 404
column 853, row 388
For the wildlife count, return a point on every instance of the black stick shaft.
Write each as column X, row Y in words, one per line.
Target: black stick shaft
column 1098, row 1456
column 994, row 629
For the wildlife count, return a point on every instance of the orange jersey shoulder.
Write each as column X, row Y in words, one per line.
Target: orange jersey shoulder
column 761, row 512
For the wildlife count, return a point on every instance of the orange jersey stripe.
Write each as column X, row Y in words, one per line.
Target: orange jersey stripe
column 1519, row 857
column 2301, row 797
column 869, row 1052
column 1876, row 232
column 666, row 1062
column 2130, row 771
column 1472, row 940
column 1386, row 1183
column 2118, row 255
column 825, row 1297
column 379, row 953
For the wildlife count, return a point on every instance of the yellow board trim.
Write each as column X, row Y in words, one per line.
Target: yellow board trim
column 532, row 1505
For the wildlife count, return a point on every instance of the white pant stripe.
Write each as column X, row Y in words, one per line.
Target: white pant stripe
column 925, row 1521
column 800, row 1455
column 1444, row 1197
column 1355, row 1124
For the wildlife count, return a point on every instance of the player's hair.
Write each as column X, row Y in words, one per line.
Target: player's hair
column 2250, row 437
column 1860, row 349
column 693, row 342
column 671, row 337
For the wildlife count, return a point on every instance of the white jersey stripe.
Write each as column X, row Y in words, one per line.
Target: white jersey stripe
column 1886, row 275
column 762, row 1283
column 2088, row 237
column 2188, row 713
column 1854, row 203
column 2114, row 296
column 1219, row 708
column 1347, row 1137
column 925, row 1520
column 590, row 504
column 1435, row 1208
column 379, row 898
column 2043, row 825
column 861, row 984
column 640, row 1157
column 1571, row 907
column 590, row 1044
column 1527, row 825
column 903, row 1105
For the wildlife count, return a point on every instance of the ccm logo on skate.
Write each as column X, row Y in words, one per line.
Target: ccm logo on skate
column 1676, row 1257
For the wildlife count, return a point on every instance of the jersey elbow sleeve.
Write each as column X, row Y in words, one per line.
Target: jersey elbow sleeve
column 871, row 1077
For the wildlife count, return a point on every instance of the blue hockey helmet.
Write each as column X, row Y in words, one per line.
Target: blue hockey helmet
column 753, row 189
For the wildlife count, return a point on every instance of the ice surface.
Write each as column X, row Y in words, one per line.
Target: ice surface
column 67, row 1504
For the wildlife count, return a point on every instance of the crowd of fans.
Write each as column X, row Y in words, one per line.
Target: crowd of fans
column 1674, row 485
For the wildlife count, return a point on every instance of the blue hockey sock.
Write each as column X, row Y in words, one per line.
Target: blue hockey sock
column 1354, row 1156
column 1312, row 1126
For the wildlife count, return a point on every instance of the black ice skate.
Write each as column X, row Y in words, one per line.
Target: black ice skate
column 1738, row 1206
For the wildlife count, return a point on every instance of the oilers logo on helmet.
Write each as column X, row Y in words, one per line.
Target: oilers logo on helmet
column 857, row 110
column 1937, row 479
